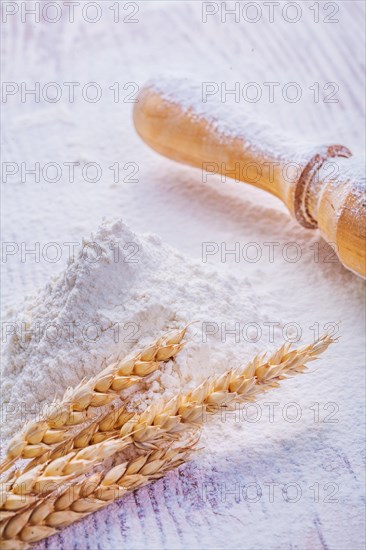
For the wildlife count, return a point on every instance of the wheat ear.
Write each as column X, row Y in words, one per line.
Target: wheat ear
column 46, row 478
column 243, row 384
column 37, row 438
column 166, row 418
column 97, row 491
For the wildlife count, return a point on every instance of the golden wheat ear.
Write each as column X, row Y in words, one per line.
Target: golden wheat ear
column 159, row 432
column 163, row 423
column 166, row 419
column 47, row 516
column 244, row 384
column 38, row 438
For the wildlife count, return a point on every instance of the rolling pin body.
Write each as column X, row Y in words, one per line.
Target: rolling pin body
column 248, row 151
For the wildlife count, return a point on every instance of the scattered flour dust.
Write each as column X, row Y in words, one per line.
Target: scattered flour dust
column 122, row 291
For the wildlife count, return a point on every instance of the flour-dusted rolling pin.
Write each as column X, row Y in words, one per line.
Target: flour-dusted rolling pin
column 321, row 186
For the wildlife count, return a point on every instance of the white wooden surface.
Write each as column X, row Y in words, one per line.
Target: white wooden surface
column 176, row 512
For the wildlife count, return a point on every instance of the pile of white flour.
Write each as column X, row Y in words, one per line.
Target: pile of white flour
column 121, row 292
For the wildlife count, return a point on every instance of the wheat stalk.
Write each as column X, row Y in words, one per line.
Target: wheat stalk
column 46, row 478
column 243, row 384
column 165, row 419
column 150, row 429
column 38, row 438
column 80, row 499
column 162, row 418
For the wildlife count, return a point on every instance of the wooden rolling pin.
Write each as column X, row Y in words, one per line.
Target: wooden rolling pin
column 321, row 186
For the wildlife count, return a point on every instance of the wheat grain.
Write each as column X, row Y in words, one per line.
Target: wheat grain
column 97, row 491
column 38, row 438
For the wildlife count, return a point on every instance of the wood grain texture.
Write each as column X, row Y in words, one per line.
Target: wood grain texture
column 203, row 504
